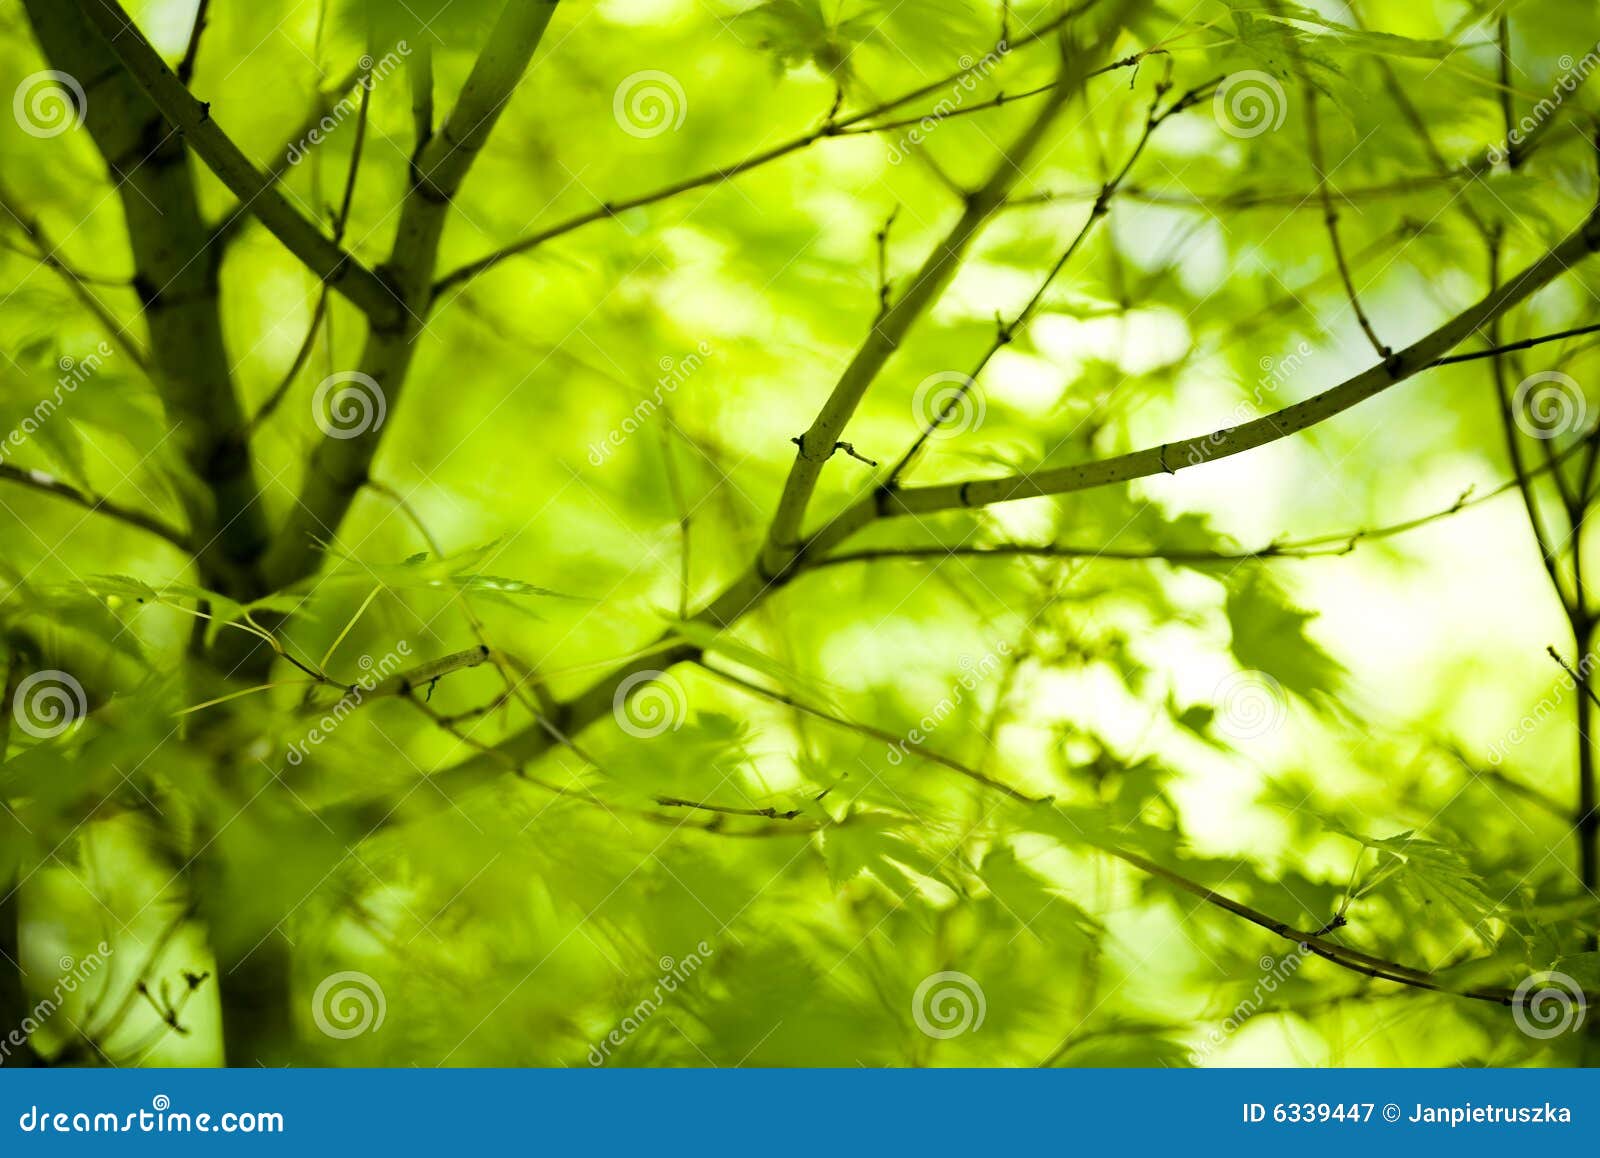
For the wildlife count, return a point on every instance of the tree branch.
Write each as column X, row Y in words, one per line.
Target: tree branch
column 46, row 252
column 749, row 589
column 1006, row 332
column 300, row 236
column 1169, row 458
column 339, row 466
column 51, row 485
column 237, row 215
column 192, row 52
column 1315, row 942
column 817, row 445
column 832, row 126
column 1247, row 198
column 1067, row 551
column 1331, row 545
column 176, row 278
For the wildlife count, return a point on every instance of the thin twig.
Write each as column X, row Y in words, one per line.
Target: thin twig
column 1006, row 332
column 51, row 485
column 113, row 1022
column 47, row 253
column 1332, row 545
column 186, row 65
column 1577, row 679
column 1342, row 955
column 1502, row 393
column 1520, row 344
column 341, row 220
column 884, row 288
column 301, row 141
column 1330, row 217
column 833, row 126
column 816, row 446
column 419, row 69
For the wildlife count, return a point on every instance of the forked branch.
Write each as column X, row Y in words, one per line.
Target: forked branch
column 257, row 190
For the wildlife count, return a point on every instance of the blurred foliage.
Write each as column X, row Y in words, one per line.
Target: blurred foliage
column 1370, row 741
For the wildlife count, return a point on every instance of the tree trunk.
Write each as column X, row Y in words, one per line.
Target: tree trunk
column 176, row 277
column 13, row 991
column 257, row 1006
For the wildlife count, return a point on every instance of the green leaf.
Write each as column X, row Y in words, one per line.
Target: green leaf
column 1269, row 634
column 798, row 32
column 851, row 850
column 457, row 572
column 1584, row 968
column 1338, row 37
column 1035, row 905
column 1428, row 873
